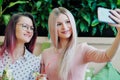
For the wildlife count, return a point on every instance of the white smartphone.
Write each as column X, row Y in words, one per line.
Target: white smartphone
column 103, row 15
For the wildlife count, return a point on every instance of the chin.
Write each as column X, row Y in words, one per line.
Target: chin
column 27, row 41
column 67, row 36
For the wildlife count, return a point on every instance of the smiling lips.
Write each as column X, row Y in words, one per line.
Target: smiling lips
column 27, row 35
column 65, row 32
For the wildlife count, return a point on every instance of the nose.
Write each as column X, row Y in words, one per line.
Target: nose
column 64, row 26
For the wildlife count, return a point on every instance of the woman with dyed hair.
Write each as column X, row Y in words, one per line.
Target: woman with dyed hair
column 67, row 60
column 16, row 50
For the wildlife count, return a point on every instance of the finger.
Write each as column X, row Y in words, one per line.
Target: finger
column 115, row 25
column 118, row 10
column 115, row 17
column 115, row 13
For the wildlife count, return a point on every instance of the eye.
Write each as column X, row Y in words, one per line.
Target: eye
column 24, row 26
column 32, row 28
column 68, row 22
column 59, row 24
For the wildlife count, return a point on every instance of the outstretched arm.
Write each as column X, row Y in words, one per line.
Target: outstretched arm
column 116, row 17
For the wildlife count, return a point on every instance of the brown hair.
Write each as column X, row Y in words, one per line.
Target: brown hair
column 9, row 43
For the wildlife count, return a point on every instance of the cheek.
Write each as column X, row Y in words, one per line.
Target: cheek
column 32, row 34
column 71, row 30
column 18, row 33
column 58, row 32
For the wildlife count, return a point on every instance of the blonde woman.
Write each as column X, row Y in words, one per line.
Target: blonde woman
column 67, row 60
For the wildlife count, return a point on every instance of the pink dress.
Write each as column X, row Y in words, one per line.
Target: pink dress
column 84, row 54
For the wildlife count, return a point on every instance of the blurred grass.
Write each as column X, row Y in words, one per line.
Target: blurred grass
column 0, row 43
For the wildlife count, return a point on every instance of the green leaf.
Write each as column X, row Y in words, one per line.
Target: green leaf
column 90, row 2
column 1, row 2
column 94, row 30
column 17, row 2
column 83, row 27
column 60, row 2
column 101, row 27
column 93, row 7
column 118, row 2
column 38, row 4
column 95, row 22
column 114, row 30
column 86, row 17
column 6, row 19
column 42, row 17
column 102, row 4
column 78, row 22
column 113, row 3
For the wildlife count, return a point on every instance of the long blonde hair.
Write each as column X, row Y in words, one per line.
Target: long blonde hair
column 69, row 51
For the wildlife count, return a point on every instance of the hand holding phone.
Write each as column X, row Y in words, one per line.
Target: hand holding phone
column 103, row 15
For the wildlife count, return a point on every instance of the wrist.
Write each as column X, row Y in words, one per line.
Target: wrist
column 118, row 34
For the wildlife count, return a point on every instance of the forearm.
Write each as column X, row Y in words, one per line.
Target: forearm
column 112, row 50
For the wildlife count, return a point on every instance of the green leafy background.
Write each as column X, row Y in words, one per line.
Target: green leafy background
column 84, row 11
